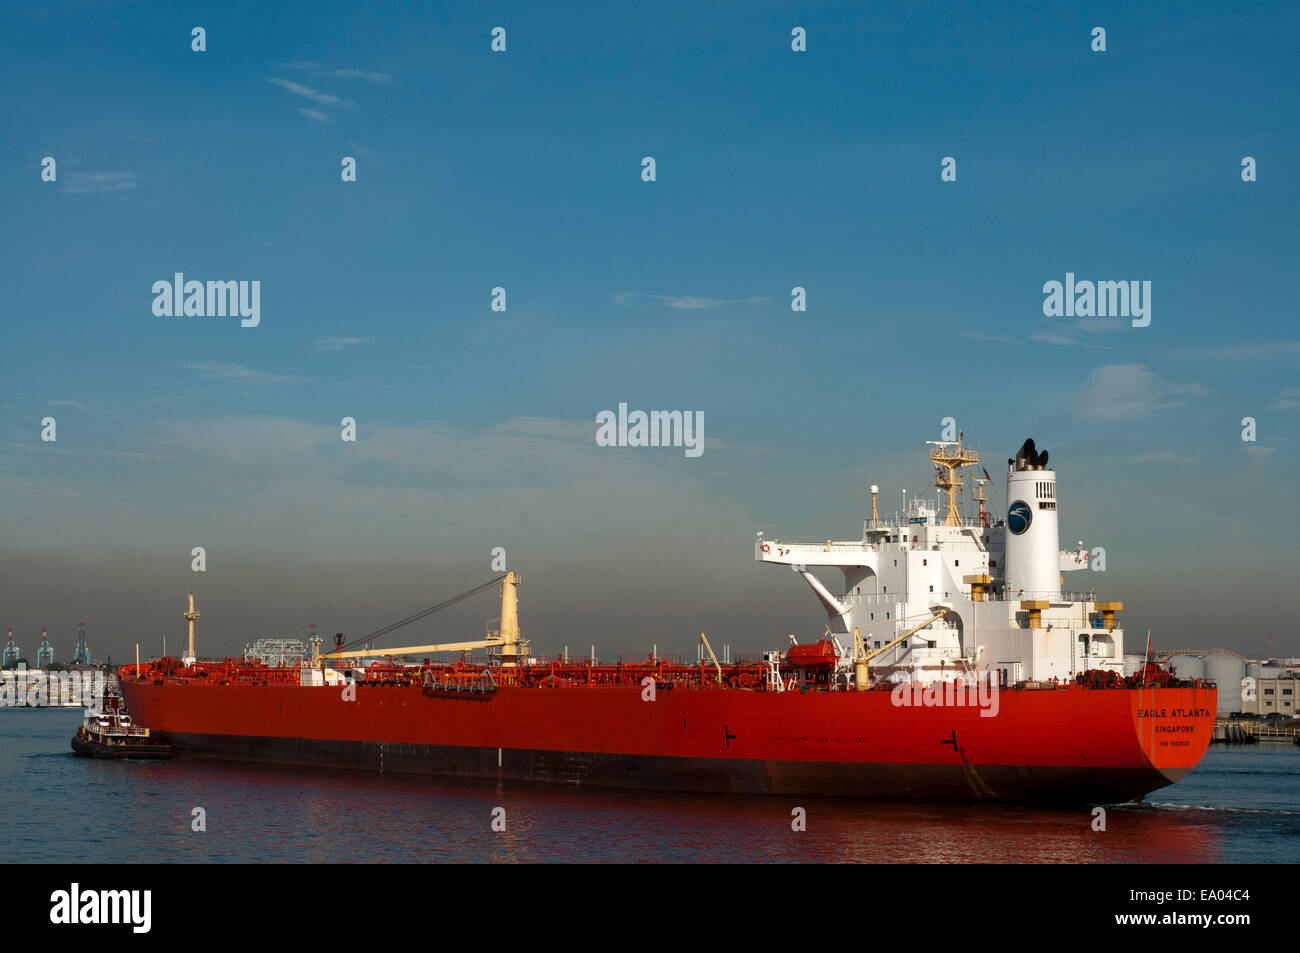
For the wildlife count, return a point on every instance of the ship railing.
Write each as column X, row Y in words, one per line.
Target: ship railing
column 1048, row 596
column 889, row 598
column 897, row 522
column 823, row 547
column 902, row 545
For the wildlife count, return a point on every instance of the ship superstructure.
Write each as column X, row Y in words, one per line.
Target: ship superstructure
column 993, row 587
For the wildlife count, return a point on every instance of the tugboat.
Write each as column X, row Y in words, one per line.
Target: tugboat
column 108, row 732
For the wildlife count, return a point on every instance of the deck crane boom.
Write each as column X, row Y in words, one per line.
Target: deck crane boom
column 861, row 658
column 512, row 647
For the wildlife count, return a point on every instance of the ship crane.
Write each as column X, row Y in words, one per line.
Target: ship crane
column 512, row 647
column 862, row 658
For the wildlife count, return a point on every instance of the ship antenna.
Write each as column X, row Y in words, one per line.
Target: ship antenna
column 949, row 458
column 875, row 520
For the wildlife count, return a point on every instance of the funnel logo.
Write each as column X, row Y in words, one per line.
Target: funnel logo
column 1019, row 517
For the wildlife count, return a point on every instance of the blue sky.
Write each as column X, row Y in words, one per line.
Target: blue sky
column 522, row 169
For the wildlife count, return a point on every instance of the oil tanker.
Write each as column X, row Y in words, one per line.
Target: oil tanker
column 953, row 664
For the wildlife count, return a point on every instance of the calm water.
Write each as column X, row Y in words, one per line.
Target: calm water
column 1241, row 804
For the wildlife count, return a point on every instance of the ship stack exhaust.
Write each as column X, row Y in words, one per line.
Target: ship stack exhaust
column 1033, row 537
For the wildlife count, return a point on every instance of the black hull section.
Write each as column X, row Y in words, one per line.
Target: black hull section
column 707, row 775
column 95, row 749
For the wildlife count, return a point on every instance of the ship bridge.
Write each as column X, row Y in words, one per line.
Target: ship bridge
column 894, row 555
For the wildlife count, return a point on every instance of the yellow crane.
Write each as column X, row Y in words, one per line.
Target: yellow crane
column 861, row 657
column 712, row 656
column 513, row 648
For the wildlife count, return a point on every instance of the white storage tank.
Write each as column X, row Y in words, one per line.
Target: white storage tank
column 1133, row 664
column 1187, row 666
column 1252, row 670
column 1227, row 671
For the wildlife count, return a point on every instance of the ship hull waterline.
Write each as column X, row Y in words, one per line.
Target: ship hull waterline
column 1068, row 745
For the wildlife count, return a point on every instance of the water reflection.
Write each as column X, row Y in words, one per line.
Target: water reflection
column 1236, row 806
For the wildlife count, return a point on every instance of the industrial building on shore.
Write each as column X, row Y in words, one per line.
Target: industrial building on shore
column 1246, row 686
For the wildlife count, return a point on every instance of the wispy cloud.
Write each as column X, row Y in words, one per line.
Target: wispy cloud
column 1123, row 391
column 1066, row 333
column 317, row 70
column 338, row 344
column 226, row 371
column 1240, row 352
column 628, row 299
column 97, row 183
column 368, row 76
column 1287, row 399
column 1064, row 340
column 992, row 338
column 68, row 403
column 317, row 115
column 306, row 92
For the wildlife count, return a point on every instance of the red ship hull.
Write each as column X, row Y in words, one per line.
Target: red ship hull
column 1072, row 743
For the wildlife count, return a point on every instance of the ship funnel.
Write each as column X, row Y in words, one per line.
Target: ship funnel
column 1033, row 569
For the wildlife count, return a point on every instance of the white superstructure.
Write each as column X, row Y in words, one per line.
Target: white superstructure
column 997, row 583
